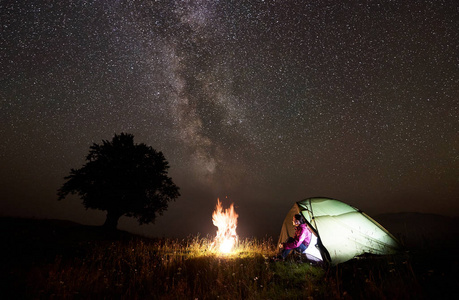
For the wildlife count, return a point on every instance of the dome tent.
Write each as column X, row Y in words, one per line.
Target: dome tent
column 340, row 231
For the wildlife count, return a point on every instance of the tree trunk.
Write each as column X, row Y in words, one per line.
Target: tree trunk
column 112, row 220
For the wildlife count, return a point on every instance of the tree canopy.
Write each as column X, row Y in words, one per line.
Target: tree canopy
column 123, row 178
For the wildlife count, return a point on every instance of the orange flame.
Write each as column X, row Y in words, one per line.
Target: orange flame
column 226, row 221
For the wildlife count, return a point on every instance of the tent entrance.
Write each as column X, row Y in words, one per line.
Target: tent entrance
column 312, row 252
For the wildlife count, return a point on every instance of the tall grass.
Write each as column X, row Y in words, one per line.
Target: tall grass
column 192, row 269
column 171, row 269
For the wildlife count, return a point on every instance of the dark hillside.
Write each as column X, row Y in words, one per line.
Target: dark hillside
column 30, row 239
column 32, row 243
column 422, row 231
column 44, row 259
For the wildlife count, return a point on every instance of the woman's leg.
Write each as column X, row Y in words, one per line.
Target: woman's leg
column 302, row 247
column 285, row 252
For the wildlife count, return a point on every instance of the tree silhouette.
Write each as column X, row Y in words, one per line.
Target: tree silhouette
column 123, row 178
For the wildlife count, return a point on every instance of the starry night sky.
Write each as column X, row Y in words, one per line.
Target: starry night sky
column 263, row 102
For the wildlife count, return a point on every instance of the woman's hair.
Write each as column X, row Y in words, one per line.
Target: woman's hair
column 300, row 218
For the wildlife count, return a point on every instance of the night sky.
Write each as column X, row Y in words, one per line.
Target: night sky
column 263, row 102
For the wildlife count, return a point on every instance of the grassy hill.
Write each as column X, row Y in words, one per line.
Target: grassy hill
column 61, row 259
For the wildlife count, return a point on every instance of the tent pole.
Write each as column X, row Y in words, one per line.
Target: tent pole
column 319, row 240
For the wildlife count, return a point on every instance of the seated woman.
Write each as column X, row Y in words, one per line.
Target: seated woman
column 300, row 240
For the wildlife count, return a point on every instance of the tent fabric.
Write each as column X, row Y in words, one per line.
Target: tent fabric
column 341, row 231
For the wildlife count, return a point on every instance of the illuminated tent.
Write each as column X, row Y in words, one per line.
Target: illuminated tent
column 340, row 231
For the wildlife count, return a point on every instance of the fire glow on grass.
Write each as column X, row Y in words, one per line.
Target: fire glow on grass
column 226, row 222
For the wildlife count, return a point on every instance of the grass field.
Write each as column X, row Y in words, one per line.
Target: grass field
column 62, row 260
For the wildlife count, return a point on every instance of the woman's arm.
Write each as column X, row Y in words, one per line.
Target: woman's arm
column 300, row 235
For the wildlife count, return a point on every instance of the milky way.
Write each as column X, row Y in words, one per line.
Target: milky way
column 266, row 102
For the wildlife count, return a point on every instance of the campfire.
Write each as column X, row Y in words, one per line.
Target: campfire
column 226, row 222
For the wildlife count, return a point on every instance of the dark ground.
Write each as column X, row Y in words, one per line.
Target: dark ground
column 30, row 243
column 430, row 251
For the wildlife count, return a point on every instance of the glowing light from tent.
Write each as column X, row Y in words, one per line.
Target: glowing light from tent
column 226, row 222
